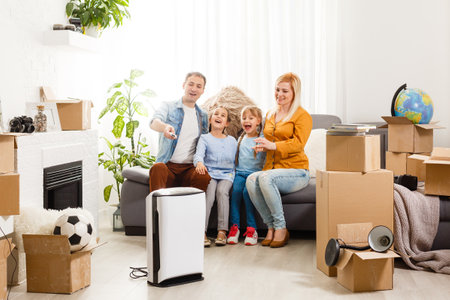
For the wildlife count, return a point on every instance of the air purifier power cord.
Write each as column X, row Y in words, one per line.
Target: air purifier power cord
column 138, row 272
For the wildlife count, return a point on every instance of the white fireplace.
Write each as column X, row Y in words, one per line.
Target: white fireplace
column 38, row 151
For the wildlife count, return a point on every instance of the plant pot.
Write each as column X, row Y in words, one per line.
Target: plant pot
column 92, row 31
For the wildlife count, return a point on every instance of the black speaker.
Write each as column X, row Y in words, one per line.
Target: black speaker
column 380, row 239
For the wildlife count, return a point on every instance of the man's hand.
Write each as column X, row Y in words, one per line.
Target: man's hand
column 201, row 169
column 169, row 132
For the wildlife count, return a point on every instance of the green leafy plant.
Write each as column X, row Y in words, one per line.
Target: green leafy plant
column 122, row 102
column 98, row 13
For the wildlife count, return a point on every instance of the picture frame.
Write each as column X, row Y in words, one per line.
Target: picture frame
column 50, row 110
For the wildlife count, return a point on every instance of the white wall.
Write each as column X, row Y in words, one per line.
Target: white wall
column 387, row 43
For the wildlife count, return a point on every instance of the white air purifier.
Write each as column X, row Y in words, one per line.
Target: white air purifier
column 175, row 233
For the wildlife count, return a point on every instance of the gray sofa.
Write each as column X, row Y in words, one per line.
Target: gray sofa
column 299, row 207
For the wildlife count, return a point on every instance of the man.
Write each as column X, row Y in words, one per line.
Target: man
column 180, row 123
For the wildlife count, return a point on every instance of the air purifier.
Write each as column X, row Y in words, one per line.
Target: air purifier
column 175, row 220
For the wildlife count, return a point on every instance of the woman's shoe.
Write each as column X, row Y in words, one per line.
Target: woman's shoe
column 221, row 239
column 279, row 244
column 266, row 242
column 207, row 242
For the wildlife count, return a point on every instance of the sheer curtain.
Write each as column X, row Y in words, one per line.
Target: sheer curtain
column 245, row 43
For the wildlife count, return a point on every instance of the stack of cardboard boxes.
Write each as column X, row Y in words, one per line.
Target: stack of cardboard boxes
column 410, row 151
column 9, row 200
column 353, row 189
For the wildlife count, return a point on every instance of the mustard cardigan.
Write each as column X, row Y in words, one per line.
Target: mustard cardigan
column 290, row 138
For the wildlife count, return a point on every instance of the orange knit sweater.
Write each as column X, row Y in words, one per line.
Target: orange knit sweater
column 290, row 137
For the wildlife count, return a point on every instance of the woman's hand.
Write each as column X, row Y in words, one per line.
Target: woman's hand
column 201, row 169
column 262, row 144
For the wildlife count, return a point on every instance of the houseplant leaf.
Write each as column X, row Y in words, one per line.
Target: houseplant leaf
column 140, row 109
column 131, row 126
column 107, row 192
column 135, row 73
column 118, row 126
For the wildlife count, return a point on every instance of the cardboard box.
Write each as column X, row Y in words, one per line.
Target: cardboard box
column 9, row 194
column 405, row 136
column 7, row 153
column 6, row 247
column 350, row 197
column 437, row 181
column 51, row 268
column 73, row 114
column 396, row 162
column 415, row 166
column 353, row 153
column 363, row 271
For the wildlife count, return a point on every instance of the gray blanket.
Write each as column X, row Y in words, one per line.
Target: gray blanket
column 416, row 219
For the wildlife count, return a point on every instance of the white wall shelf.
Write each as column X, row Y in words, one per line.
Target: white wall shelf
column 71, row 39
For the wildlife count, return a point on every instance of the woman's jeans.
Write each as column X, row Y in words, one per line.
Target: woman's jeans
column 265, row 189
column 240, row 192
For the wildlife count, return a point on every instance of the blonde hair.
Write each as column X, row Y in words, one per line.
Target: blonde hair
column 296, row 86
column 255, row 111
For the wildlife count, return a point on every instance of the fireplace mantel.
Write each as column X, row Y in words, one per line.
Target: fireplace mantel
column 41, row 150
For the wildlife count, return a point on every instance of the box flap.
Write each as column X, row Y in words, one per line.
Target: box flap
column 397, row 120
column 368, row 255
column 354, row 234
column 91, row 247
column 419, row 157
column 47, row 95
column 344, row 258
column 429, row 126
column 6, row 247
column 48, row 244
column 440, row 153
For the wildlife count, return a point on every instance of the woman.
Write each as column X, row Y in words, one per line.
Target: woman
column 286, row 131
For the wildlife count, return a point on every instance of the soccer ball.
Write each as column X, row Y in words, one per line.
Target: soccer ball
column 76, row 227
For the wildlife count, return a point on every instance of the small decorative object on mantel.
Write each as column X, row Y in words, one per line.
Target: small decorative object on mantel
column 51, row 112
column 40, row 120
column 21, row 124
column 58, row 27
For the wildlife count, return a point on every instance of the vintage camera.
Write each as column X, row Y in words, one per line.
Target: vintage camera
column 21, row 124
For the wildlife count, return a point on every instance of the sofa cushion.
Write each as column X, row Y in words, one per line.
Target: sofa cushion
column 315, row 150
column 137, row 174
column 306, row 195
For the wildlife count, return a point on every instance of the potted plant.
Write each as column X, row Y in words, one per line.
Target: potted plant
column 98, row 14
column 123, row 102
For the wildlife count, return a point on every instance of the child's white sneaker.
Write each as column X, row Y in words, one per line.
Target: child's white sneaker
column 233, row 235
column 251, row 236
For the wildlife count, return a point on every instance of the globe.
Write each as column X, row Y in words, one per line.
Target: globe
column 414, row 104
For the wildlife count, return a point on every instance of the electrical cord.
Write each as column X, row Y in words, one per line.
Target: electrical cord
column 15, row 262
column 138, row 272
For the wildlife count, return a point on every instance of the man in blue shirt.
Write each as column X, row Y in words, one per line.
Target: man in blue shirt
column 180, row 124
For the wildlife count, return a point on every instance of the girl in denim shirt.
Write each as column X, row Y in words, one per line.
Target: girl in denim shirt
column 247, row 162
column 215, row 154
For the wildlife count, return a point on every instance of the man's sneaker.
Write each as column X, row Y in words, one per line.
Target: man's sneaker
column 233, row 235
column 251, row 236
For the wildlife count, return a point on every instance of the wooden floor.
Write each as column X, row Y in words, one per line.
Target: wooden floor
column 235, row 272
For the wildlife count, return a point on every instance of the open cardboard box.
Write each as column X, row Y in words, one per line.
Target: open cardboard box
column 73, row 114
column 353, row 153
column 407, row 163
column 6, row 247
column 405, row 136
column 437, row 172
column 52, row 268
column 363, row 271
column 350, row 197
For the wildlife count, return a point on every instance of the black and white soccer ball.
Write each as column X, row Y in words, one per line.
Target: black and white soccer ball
column 77, row 228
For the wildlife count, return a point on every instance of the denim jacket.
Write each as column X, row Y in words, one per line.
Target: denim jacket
column 172, row 113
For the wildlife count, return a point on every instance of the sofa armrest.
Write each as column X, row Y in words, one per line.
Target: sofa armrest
column 137, row 174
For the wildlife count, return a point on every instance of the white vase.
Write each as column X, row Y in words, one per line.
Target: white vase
column 92, row 31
